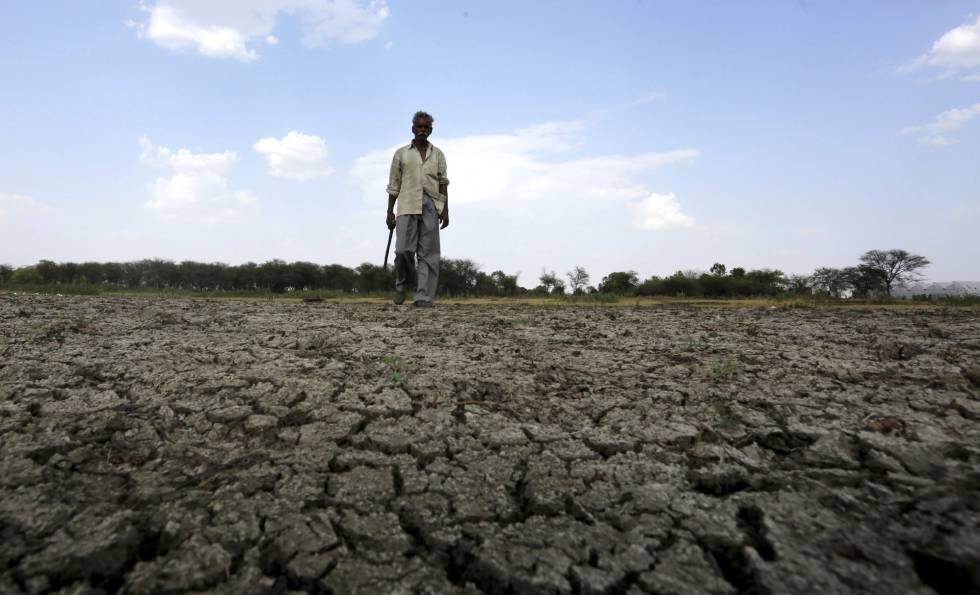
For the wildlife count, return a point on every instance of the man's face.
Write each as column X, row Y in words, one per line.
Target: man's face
column 422, row 128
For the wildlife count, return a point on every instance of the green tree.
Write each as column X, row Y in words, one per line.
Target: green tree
column 552, row 283
column 6, row 272
column 866, row 281
column 458, row 277
column 305, row 275
column 830, row 281
column 371, row 277
column 681, row 284
column 896, row 267
column 114, row 273
column 47, row 271
column 765, row 282
column 26, row 276
column 91, row 272
column 339, row 277
column 799, row 284
column 652, row 286
column 619, row 282
column 718, row 269
column 506, row 285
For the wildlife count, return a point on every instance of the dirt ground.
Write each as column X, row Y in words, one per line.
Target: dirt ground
column 158, row 446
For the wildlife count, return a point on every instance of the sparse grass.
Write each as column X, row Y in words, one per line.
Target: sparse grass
column 384, row 297
column 590, row 298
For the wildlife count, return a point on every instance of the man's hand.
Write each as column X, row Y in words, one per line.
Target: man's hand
column 444, row 218
column 390, row 220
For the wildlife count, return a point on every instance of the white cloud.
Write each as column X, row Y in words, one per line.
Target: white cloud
column 935, row 133
column 649, row 98
column 229, row 28
column 296, row 156
column 197, row 187
column 938, row 141
column 957, row 49
column 20, row 204
column 660, row 211
column 517, row 167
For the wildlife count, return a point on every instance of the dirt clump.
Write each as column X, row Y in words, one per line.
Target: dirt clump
column 163, row 446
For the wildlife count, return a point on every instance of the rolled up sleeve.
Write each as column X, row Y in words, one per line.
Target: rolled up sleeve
column 395, row 175
column 441, row 171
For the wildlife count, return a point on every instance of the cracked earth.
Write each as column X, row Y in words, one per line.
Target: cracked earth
column 163, row 446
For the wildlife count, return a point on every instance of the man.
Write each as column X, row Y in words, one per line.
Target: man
column 418, row 182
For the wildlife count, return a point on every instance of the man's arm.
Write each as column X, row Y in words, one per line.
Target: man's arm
column 444, row 191
column 394, row 187
column 390, row 219
column 444, row 216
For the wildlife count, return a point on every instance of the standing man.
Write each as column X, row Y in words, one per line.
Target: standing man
column 418, row 182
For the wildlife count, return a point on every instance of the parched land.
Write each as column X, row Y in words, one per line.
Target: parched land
column 156, row 446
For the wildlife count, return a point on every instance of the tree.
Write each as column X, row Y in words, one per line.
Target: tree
column 578, row 279
column 867, row 282
column 799, row 284
column 47, row 271
column 505, row 284
column 26, row 276
column 339, row 277
column 371, row 277
column 682, row 284
column 6, row 272
column 718, row 269
column 458, row 277
column 830, row 281
column 551, row 282
column 619, row 282
column 897, row 267
column 91, row 272
column 764, row 281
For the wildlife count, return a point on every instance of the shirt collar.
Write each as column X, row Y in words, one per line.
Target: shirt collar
column 411, row 145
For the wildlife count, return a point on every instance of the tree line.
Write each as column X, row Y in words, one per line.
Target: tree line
column 876, row 273
column 457, row 278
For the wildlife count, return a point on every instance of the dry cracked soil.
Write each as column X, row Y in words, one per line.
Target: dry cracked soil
column 171, row 446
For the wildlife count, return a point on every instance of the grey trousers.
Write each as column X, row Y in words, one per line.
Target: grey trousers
column 417, row 238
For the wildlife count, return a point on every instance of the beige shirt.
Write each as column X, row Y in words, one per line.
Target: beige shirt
column 410, row 177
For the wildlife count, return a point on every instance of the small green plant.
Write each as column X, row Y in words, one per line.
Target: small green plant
column 726, row 368
column 57, row 330
column 398, row 370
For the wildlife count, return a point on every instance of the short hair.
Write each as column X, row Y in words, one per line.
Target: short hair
column 423, row 115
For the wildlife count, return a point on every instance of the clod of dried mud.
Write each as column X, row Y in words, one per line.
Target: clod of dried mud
column 154, row 446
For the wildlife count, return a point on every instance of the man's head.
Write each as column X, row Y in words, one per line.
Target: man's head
column 422, row 125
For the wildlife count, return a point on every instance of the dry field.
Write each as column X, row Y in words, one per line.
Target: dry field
column 157, row 446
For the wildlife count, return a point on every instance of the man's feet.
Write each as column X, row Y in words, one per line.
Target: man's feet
column 421, row 304
column 399, row 298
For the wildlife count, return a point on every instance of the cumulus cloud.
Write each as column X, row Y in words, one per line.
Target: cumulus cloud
column 936, row 133
column 296, row 156
column 956, row 50
column 197, row 186
column 230, row 28
column 12, row 205
column 526, row 165
column 660, row 211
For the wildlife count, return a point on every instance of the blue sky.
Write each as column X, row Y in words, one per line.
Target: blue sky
column 646, row 135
